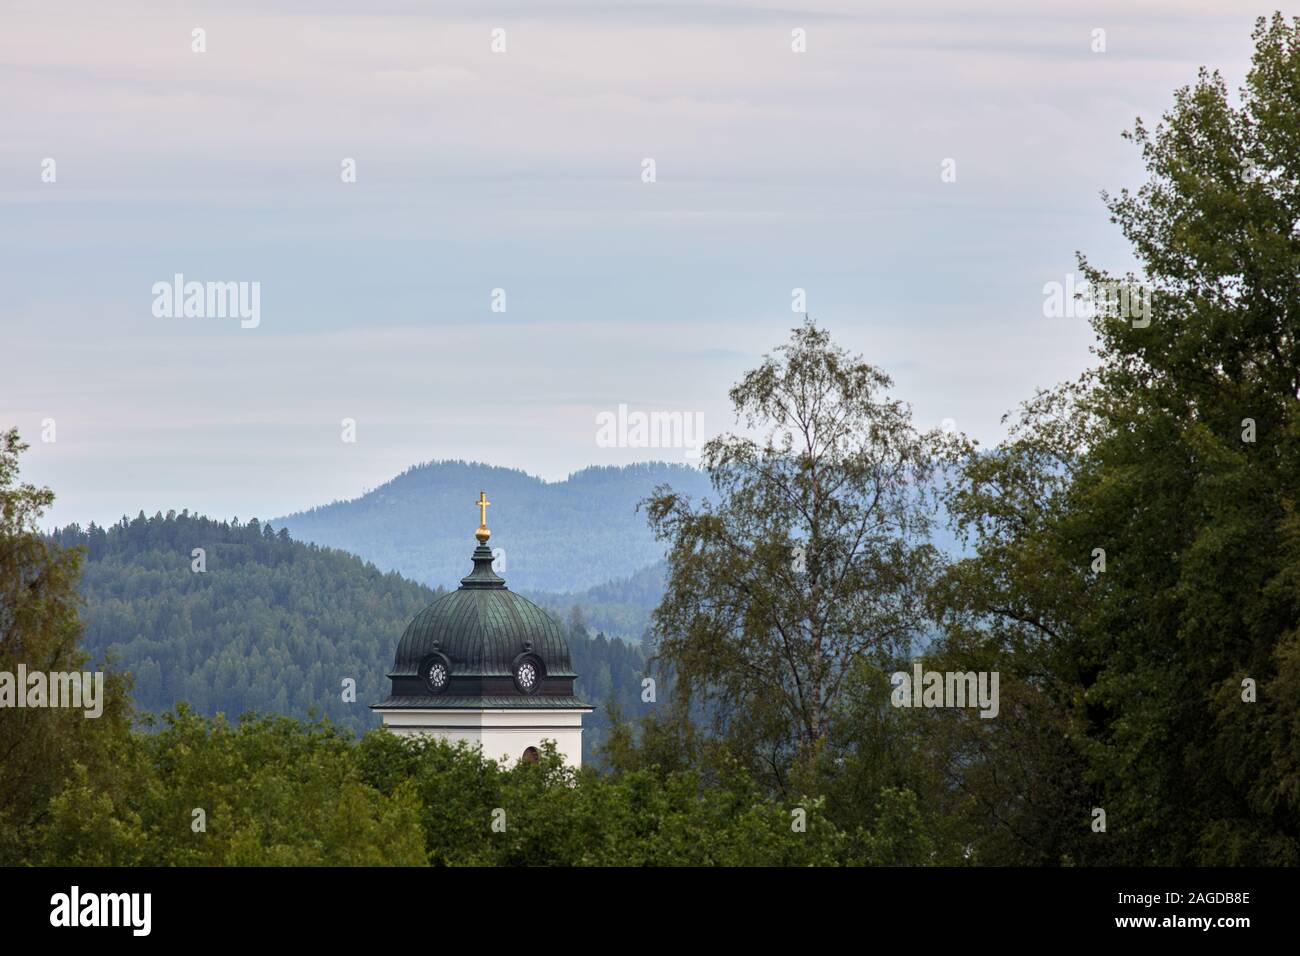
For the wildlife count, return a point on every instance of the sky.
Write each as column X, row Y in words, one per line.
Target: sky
column 920, row 170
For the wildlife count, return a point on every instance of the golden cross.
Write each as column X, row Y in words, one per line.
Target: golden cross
column 482, row 508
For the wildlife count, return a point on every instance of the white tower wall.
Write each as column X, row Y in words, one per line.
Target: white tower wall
column 504, row 734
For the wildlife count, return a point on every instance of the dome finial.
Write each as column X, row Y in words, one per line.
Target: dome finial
column 482, row 533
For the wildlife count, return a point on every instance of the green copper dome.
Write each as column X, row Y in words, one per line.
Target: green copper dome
column 482, row 645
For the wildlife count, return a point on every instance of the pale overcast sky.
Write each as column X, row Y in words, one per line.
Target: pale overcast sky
column 522, row 171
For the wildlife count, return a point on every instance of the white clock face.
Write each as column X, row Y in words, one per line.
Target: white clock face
column 526, row 675
column 438, row 674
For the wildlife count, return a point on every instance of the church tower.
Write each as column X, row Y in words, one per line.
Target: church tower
column 487, row 666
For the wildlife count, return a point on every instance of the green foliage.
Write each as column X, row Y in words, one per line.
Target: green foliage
column 816, row 554
column 268, row 792
column 41, row 748
column 1137, row 670
column 276, row 792
column 549, row 814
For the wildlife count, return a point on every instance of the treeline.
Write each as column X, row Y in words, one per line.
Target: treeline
column 279, row 792
column 256, row 621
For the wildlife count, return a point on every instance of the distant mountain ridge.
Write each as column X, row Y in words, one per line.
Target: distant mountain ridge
column 557, row 537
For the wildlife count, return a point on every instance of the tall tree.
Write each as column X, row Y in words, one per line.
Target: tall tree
column 815, row 555
column 1137, row 546
column 40, row 630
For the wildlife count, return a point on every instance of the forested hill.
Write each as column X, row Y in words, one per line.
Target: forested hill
column 272, row 625
column 560, row 536
column 620, row 607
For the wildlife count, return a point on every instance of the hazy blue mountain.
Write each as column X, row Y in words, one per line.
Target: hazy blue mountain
column 561, row 536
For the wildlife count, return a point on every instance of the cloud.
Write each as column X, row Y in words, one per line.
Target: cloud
column 522, row 171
